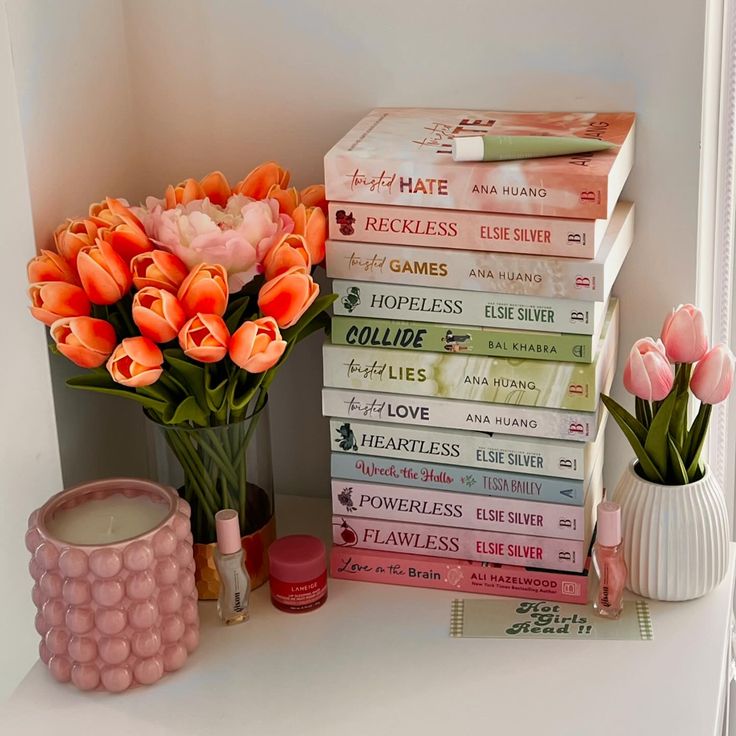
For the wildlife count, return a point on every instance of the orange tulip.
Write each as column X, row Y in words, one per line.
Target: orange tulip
column 136, row 362
column 261, row 179
column 114, row 212
column 288, row 296
column 314, row 196
column 124, row 231
column 50, row 266
column 183, row 193
column 288, row 199
column 204, row 290
column 205, row 338
column 311, row 223
column 290, row 251
column 257, row 346
column 216, row 187
column 158, row 314
column 86, row 341
column 52, row 300
column 103, row 273
column 158, row 268
column 73, row 235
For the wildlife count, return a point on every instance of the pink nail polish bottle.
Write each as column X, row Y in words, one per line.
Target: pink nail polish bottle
column 608, row 558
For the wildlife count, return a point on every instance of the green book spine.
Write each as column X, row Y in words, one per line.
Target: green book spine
column 446, row 338
column 551, row 384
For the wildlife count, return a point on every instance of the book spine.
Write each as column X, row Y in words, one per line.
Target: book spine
column 437, row 477
column 455, row 307
column 530, row 456
column 464, row 544
column 419, row 571
column 479, row 188
column 454, row 414
column 474, row 378
column 457, row 510
column 437, row 228
column 447, row 338
column 501, row 273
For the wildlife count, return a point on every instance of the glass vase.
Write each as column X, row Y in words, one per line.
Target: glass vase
column 225, row 466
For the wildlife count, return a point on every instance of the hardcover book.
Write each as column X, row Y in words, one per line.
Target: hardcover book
column 438, row 477
column 446, row 338
column 456, row 307
column 551, row 384
column 421, row 571
column 463, row 230
column 502, row 273
column 462, row 510
column 527, row 455
column 403, row 156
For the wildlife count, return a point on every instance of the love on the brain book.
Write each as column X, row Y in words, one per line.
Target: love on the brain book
column 403, row 156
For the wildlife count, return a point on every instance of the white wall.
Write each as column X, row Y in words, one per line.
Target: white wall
column 29, row 453
column 122, row 97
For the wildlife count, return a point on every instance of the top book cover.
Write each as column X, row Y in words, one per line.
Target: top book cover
column 403, row 156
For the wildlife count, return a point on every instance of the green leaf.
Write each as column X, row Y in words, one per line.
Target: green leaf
column 678, row 467
column 656, row 444
column 622, row 416
column 190, row 375
column 98, row 383
column 188, row 411
column 315, row 309
column 236, row 310
column 627, row 427
column 214, row 395
column 696, row 440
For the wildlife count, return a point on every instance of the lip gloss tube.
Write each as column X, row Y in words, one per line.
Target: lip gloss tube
column 516, row 147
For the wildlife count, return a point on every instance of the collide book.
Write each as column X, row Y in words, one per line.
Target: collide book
column 420, row 571
column 486, row 231
column 551, row 384
column 503, row 273
column 515, row 312
column 403, row 156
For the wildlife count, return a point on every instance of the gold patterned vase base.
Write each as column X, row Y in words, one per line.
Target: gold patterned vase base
column 255, row 547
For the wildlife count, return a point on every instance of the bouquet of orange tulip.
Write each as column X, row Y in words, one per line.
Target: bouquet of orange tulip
column 188, row 305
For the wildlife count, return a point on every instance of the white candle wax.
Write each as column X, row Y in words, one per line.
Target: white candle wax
column 107, row 520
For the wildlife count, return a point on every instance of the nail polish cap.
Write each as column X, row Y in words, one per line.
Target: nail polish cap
column 227, row 527
column 609, row 524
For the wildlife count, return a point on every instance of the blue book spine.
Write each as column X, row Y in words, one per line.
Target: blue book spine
column 460, row 480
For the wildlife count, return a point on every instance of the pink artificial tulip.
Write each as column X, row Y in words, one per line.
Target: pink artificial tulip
column 648, row 374
column 683, row 335
column 713, row 375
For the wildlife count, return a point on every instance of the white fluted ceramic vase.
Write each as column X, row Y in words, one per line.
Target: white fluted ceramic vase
column 675, row 538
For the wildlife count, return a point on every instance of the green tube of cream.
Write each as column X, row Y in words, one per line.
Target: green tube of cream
column 515, row 147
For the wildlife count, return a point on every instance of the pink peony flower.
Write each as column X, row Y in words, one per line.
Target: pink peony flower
column 237, row 236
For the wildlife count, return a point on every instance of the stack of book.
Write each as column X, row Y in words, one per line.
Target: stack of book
column 473, row 333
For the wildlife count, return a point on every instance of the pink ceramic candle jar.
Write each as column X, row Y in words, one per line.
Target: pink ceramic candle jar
column 117, row 614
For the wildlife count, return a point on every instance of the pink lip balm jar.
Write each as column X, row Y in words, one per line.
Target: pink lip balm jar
column 298, row 573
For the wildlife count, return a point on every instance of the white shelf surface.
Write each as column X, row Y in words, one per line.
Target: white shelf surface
column 378, row 659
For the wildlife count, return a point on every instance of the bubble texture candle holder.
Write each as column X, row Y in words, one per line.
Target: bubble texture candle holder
column 117, row 615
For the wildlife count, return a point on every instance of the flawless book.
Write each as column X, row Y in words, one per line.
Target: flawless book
column 485, row 231
column 457, row 307
column 502, row 273
column 550, row 384
column 403, row 156
column 421, row 571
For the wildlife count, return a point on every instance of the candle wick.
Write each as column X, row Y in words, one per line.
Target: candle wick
column 109, row 526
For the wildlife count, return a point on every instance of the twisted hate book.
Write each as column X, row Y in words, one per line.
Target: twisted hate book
column 403, row 156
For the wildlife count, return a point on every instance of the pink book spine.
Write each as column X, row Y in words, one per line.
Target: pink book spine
column 463, row 230
column 469, row 511
column 464, row 544
column 465, row 187
column 373, row 566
